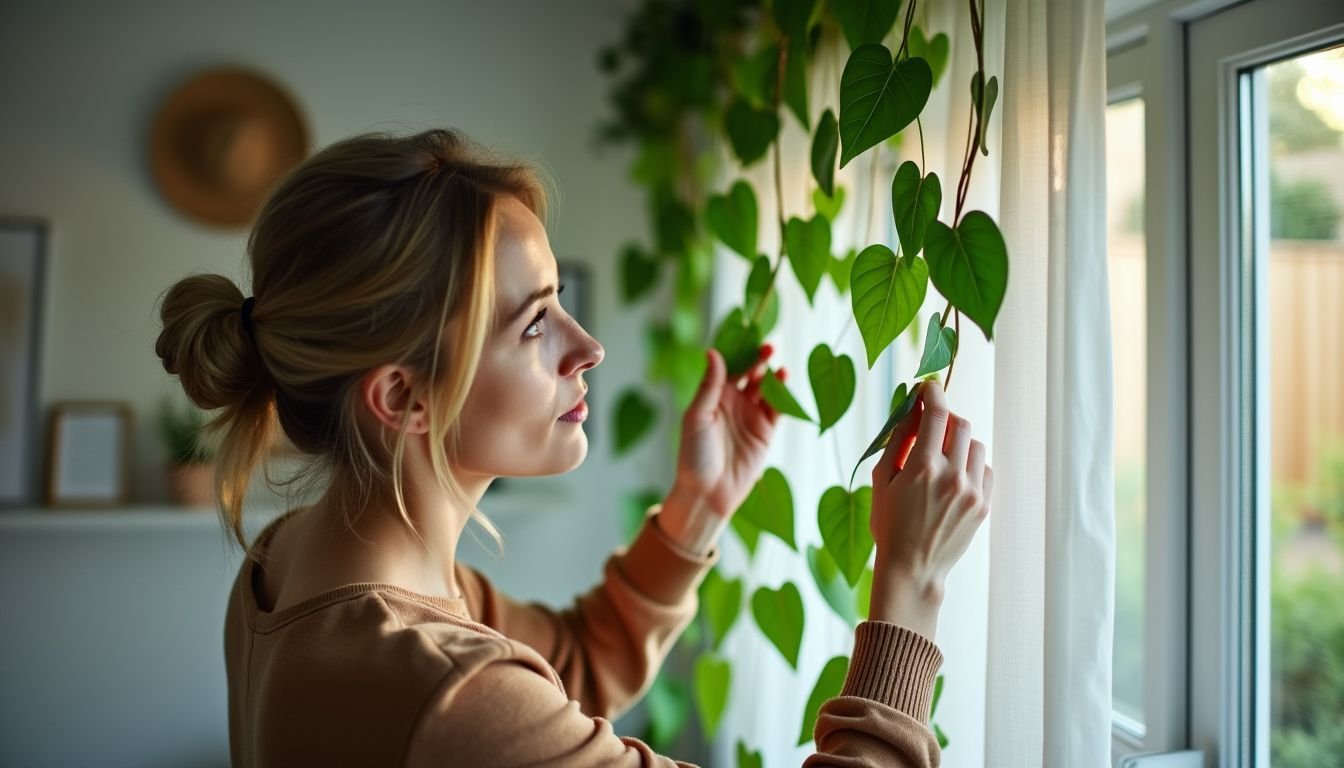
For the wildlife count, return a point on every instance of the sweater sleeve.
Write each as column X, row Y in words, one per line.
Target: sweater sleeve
column 506, row 714
column 608, row 646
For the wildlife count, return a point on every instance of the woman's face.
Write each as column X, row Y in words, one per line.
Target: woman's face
column 531, row 369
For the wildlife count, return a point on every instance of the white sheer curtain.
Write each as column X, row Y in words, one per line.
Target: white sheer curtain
column 1026, row 627
column 1052, row 542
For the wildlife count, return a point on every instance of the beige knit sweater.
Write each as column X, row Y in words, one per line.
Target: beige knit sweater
column 373, row 674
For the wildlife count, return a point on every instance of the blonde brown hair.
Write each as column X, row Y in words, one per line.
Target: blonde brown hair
column 360, row 257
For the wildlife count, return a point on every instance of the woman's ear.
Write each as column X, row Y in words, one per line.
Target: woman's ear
column 386, row 394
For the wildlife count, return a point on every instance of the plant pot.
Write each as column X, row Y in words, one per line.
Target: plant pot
column 192, row 485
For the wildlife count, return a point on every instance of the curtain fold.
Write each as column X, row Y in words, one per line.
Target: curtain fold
column 1026, row 628
column 1048, row 689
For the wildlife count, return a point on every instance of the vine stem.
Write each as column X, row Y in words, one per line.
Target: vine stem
column 781, row 63
column 977, row 114
column 905, row 33
column 947, row 384
column 923, row 164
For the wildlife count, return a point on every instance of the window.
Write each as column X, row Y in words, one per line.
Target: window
column 1127, row 254
column 1234, row 642
column 1296, row 137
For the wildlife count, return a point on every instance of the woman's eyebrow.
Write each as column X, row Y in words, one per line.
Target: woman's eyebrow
column 540, row 293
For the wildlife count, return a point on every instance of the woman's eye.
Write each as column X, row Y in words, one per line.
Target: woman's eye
column 536, row 323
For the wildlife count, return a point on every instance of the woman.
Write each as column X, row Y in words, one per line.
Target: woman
column 405, row 334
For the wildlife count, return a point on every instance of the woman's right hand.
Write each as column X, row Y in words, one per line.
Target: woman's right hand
column 931, row 491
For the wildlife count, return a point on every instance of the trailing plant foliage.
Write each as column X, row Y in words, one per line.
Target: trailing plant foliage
column 183, row 430
column 689, row 76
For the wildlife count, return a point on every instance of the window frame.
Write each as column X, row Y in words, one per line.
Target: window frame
column 1205, row 594
column 1229, row 557
column 1144, row 48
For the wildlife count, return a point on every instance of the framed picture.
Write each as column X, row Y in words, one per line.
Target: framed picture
column 89, row 459
column 23, row 244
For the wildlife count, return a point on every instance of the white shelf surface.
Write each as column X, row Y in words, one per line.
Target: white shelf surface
column 516, row 499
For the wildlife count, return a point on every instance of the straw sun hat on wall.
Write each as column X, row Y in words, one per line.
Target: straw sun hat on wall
column 220, row 140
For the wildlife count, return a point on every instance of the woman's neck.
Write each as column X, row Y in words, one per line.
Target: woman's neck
column 378, row 545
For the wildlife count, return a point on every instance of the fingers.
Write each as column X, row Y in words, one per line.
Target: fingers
column 932, row 424
column 975, row 465
column 987, row 487
column 752, row 378
column 897, row 452
column 957, row 442
column 707, row 396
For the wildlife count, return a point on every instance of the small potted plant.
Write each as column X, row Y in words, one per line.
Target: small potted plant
column 191, row 460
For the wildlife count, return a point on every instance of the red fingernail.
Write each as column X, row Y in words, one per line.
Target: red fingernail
column 782, row 373
column 767, row 350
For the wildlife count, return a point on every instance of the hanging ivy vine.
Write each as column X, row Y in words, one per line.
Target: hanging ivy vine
column 687, row 74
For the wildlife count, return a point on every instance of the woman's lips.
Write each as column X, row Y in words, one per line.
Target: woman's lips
column 578, row 414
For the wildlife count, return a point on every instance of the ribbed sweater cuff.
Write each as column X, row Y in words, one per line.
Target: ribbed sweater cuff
column 895, row 666
column 661, row 569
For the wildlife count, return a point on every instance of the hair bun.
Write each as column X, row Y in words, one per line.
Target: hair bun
column 203, row 341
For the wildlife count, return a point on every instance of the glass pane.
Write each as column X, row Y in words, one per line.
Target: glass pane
column 1304, row 101
column 1127, row 256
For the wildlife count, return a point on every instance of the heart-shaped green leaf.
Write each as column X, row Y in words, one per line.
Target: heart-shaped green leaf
column 842, row 267
column 825, row 144
column 635, row 415
column 746, row 758
column 833, row 382
column 750, row 131
column 914, row 203
column 940, row 344
column 639, row 273
column 669, row 706
column 885, row 293
column 991, row 96
column 843, row 519
column 712, row 678
column 902, row 401
column 720, row 602
column 829, row 683
column 863, row 593
column 829, row 205
column 878, row 97
column 673, row 223
column 747, row 533
column 808, row 244
column 779, row 614
column 933, row 50
column 831, row 584
column 865, row 21
column 983, row 100
column 756, row 284
column 732, row 218
column 769, row 507
column 969, row 266
column 739, row 341
column 752, row 72
column 777, row 395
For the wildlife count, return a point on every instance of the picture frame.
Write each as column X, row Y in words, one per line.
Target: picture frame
column 88, row 462
column 23, row 257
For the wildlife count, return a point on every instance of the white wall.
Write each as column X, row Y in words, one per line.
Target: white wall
column 79, row 84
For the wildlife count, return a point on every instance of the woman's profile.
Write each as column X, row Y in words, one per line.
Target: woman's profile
column 404, row 335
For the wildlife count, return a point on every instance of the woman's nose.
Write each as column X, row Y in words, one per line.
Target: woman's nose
column 587, row 352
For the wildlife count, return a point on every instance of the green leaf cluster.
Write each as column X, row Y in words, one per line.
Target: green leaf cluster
column 693, row 80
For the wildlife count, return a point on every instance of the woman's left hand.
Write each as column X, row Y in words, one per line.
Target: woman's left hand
column 725, row 433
